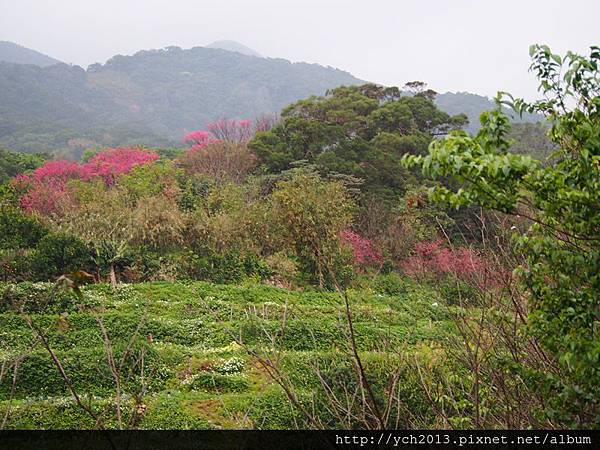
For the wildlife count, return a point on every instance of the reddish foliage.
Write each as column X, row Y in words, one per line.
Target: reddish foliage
column 432, row 259
column 113, row 162
column 198, row 139
column 55, row 170
column 46, row 187
column 364, row 252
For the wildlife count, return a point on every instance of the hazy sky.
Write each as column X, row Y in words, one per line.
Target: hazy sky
column 457, row 45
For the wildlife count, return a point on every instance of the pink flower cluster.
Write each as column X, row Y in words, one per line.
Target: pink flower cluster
column 230, row 130
column 432, row 259
column 113, row 162
column 46, row 187
column 363, row 250
column 198, row 139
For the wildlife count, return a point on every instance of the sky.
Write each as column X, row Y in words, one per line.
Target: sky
column 454, row 45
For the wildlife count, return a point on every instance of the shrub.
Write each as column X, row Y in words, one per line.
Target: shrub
column 560, row 199
column 36, row 298
column 312, row 213
column 169, row 411
column 18, row 230
column 231, row 267
column 457, row 292
column 284, row 270
column 57, row 254
column 221, row 160
column 208, row 381
column 230, row 366
column 15, row 265
column 113, row 162
column 433, row 260
column 46, row 188
column 390, row 284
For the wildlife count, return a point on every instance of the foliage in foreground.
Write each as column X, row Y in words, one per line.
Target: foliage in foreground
column 562, row 202
column 195, row 373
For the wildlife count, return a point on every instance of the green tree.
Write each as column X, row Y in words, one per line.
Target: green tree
column 12, row 164
column 561, row 199
column 18, row 230
column 57, row 254
column 312, row 214
column 358, row 130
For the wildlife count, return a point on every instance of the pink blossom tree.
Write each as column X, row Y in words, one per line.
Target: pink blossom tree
column 113, row 162
column 198, row 139
column 46, row 187
column 434, row 260
column 364, row 253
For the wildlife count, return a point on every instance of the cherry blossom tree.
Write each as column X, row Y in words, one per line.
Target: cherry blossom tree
column 364, row 252
column 44, row 189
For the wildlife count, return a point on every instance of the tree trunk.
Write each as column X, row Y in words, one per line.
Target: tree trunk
column 113, row 276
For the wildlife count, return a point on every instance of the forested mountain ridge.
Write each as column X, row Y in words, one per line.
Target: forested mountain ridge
column 472, row 105
column 17, row 54
column 155, row 96
column 133, row 99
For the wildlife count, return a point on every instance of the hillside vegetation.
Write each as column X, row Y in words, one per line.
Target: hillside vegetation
column 154, row 97
column 196, row 373
column 472, row 105
column 150, row 97
column 17, row 54
column 359, row 262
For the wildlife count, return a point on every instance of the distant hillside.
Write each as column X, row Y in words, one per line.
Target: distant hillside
column 17, row 54
column 152, row 93
column 473, row 105
column 154, row 97
column 233, row 46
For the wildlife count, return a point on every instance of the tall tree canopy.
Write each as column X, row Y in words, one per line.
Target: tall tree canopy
column 356, row 130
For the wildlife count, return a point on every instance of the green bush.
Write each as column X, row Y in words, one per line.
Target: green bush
column 58, row 413
column 272, row 411
column 232, row 267
column 168, row 411
column 88, row 370
column 36, row 298
column 456, row 292
column 57, row 254
column 18, row 230
column 216, row 382
column 390, row 284
column 15, row 265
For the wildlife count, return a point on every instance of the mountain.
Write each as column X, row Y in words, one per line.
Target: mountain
column 134, row 99
column 233, row 46
column 17, row 54
column 473, row 105
column 154, row 97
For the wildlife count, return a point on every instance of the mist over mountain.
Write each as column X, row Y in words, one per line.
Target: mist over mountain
column 234, row 46
column 155, row 96
column 14, row 53
column 473, row 105
column 135, row 99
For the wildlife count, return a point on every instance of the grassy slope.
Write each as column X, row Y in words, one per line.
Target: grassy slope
column 187, row 335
